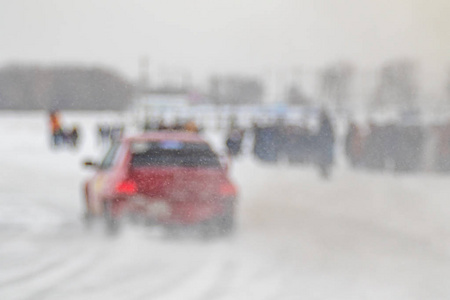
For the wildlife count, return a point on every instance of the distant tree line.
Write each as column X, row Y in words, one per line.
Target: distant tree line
column 395, row 85
column 65, row 87
column 81, row 88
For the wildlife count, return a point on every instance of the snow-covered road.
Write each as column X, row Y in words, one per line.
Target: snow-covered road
column 359, row 236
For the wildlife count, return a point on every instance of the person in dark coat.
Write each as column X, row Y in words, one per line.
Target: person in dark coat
column 266, row 145
column 73, row 137
column 325, row 145
column 354, row 145
column 234, row 142
column 104, row 132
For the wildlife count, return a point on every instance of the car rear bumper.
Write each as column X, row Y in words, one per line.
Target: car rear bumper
column 166, row 211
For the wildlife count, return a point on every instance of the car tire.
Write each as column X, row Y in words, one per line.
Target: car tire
column 226, row 224
column 112, row 223
column 222, row 226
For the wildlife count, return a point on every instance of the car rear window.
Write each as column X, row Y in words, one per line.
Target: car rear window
column 173, row 153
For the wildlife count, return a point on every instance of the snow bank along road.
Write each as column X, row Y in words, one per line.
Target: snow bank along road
column 358, row 236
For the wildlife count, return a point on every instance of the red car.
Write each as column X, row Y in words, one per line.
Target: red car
column 171, row 178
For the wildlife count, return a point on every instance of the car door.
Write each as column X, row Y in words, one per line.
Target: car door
column 99, row 184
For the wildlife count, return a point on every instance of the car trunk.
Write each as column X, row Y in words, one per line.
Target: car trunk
column 176, row 183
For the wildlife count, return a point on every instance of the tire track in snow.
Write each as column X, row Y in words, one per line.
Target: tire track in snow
column 262, row 278
column 168, row 284
column 29, row 275
column 223, row 282
column 192, row 282
column 39, row 285
column 126, row 283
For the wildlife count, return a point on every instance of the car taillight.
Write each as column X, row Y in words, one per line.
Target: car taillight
column 127, row 187
column 227, row 189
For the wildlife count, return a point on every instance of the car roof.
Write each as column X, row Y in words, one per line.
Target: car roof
column 164, row 135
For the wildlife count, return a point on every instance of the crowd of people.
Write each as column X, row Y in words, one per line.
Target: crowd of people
column 107, row 133
column 399, row 147
column 396, row 147
column 61, row 136
column 178, row 125
column 297, row 144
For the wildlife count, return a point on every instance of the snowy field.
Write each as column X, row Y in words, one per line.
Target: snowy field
column 359, row 236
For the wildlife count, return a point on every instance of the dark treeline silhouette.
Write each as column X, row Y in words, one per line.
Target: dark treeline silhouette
column 65, row 87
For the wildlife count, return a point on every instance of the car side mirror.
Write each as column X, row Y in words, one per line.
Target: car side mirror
column 90, row 164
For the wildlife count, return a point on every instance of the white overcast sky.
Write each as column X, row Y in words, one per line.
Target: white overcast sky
column 226, row 36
